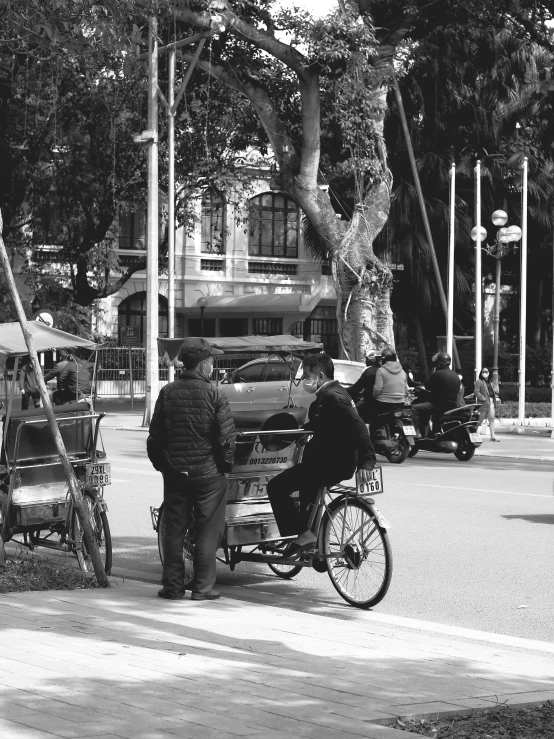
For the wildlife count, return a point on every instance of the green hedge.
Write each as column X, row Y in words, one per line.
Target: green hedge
column 509, row 409
column 532, row 394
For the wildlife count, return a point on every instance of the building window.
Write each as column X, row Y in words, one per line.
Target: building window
column 274, row 226
column 271, row 268
column 132, row 229
column 195, row 327
column 132, row 312
column 212, row 224
column 268, row 326
column 212, row 265
column 233, row 326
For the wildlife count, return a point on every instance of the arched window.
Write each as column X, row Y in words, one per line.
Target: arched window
column 274, row 224
column 212, row 240
column 132, row 312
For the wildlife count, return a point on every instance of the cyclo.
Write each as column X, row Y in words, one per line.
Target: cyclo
column 35, row 504
column 352, row 542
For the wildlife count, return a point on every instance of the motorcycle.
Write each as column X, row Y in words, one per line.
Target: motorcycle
column 394, row 434
column 458, row 431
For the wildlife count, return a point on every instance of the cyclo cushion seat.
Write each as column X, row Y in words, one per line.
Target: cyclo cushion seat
column 36, row 441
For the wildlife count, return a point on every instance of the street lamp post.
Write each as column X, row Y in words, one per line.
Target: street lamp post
column 202, row 303
column 478, row 234
column 504, row 236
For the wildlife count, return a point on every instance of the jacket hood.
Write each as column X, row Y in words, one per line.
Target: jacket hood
column 393, row 367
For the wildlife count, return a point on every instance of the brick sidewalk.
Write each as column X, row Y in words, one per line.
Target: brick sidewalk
column 123, row 663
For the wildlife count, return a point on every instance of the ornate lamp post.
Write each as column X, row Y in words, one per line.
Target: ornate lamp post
column 202, row 303
column 505, row 236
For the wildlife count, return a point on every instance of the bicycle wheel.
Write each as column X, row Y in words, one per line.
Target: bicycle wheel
column 362, row 571
column 188, row 546
column 101, row 532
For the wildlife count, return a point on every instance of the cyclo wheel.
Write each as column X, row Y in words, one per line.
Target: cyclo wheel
column 286, row 572
column 362, row 573
column 189, row 545
column 100, row 530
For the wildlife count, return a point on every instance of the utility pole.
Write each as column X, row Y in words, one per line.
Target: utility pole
column 523, row 295
column 152, row 226
column 478, row 275
column 450, row 318
column 171, row 206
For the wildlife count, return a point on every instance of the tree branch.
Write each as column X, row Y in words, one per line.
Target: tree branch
column 265, row 109
column 262, row 39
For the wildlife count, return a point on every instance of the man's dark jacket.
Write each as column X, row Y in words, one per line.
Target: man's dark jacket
column 341, row 441
column 444, row 387
column 192, row 429
column 364, row 385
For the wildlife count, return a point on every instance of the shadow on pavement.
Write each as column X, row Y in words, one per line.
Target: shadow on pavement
column 533, row 517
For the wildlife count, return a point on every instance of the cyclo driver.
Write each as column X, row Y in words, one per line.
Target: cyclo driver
column 444, row 387
column 340, row 445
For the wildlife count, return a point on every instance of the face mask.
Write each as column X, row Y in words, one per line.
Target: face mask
column 310, row 386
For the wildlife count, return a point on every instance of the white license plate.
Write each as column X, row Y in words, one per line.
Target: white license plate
column 98, row 475
column 475, row 438
column 409, row 431
column 375, row 484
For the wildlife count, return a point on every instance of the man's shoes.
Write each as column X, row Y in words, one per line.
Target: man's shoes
column 302, row 543
column 168, row 595
column 212, row 595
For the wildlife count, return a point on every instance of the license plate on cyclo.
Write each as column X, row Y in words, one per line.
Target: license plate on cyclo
column 98, row 475
column 409, row 431
column 375, row 484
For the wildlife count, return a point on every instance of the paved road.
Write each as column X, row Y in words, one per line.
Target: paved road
column 472, row 542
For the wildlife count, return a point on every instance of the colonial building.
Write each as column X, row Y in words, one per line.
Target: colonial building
column 242, row 270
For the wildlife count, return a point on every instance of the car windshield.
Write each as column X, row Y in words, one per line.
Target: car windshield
column 347, row 374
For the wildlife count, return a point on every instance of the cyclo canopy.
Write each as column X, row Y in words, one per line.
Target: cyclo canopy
column 12, row 341
column 281, row 344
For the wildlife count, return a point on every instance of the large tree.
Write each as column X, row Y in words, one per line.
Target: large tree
column 319, row 91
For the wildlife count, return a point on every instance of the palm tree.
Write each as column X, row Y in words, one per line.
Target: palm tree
column 464, row 96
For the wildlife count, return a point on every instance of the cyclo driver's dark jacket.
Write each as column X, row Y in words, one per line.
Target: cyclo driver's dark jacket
column 341, row 442
column 192, row 429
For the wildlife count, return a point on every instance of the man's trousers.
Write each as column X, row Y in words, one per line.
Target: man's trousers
column 307, row 479
column 205, row 499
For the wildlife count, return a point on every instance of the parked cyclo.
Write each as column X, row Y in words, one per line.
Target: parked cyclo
column 36, row 508
column 352, row 547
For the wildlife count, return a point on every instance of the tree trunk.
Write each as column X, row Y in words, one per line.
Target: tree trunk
column 420, row 343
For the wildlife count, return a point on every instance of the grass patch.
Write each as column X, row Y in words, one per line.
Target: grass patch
column 509, row 409
column 533, row 722
column 28, row 572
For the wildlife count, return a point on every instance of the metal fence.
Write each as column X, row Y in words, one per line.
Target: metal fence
column 122, row 372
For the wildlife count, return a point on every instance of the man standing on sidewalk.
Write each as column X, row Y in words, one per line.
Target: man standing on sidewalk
column 192, row 442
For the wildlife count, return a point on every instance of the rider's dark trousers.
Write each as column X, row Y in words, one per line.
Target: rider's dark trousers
column 206, row 498
column 307, row 479
column 422, row 412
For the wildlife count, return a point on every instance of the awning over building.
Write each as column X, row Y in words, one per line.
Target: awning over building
column 259, row 302
column 12, row 342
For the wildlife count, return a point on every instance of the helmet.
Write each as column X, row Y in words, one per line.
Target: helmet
column 372, row 357
column 388, row 355
column 441, row 360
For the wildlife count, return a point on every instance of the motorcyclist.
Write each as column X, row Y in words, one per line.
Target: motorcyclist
column 389, row 391
column 444, row 388
column 364, row 386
